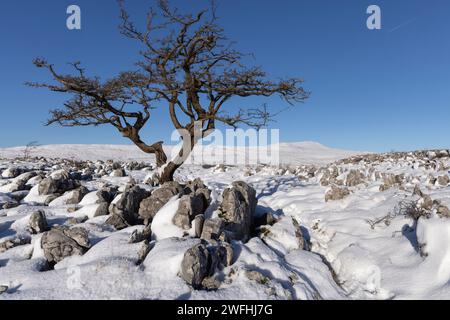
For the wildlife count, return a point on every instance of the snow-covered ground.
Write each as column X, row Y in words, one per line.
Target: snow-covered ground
column 363, row 246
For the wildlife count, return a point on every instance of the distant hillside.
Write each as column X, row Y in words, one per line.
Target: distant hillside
column 289, row 153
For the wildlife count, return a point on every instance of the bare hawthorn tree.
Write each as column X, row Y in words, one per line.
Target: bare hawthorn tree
column 188, row 66
column 29, row 148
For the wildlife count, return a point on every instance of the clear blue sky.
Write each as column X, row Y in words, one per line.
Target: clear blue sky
column 372, row 90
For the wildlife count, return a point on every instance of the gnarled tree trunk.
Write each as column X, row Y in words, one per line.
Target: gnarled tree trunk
column 168, row 169
column 168, row 172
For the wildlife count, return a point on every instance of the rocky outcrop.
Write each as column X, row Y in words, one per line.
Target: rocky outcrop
column 201, row 262
column 141, row 235
column 198, row 187
column 20, row 182
column 265, row 219
column 12, row 172
column 443, row 211
column 237, row 210
column 118, row 173
column 336, row 193
column 58, row 183
column 443, row 181
column 195, row 265
column 329, row 176
column 13, row 242
column 124, row 209
column 190, row 206
column 198, row 223
column 77, row 195
column 354, row 178
column 212, row 229
column 38, row 222
column 143, row 252
column 62, row 242
column 150, row 206
column 391, row 180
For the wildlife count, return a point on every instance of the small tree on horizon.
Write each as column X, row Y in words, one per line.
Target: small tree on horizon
column 29, row 148
column 188, row 65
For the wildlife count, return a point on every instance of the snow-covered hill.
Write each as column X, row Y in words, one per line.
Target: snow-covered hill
column 289, row 153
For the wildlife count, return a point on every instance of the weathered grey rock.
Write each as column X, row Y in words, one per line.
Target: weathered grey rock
column 75, row 221
column 173, row 185
column 198, row 187
column 77, row 195
column 19, row 195
column 221, row 254
column 199, row 220
column 143, row 252
column 38, row 222
column 190, row 206
column 211, row 283
column 139, row 236
column 25, row 177
column 256, row 276
column 150, row 206
column 80, row 235
column 126, row 206
column 265, row 219
column 354, row 178
column 12, row 172
column 206, row 193
column 237, row 210
column 35, row 180
column 10, row 205
column 443, row 211
column 443, row 180
column 19, row 240
column 329, row 176
column 195, row 265
column 432, row 180
column 427, row 203
column 48, row 186
column 72, row 209
column 20, row 182
column 116, row 166
column 50, row 198
column 60, row 243
column 119, row 173
column 59, row 183
column 336, row 193
column 201, row 262
column 194, row 185
column 102, row 209
column 136, row 165
column 228, row 257
column 107, row 194
column 212, row 229
column 117, row 221
column 391, row 180
column 3, row 289
column 302, row 178
column 302, row 245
